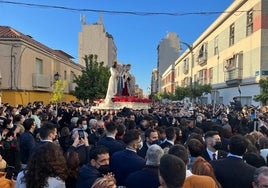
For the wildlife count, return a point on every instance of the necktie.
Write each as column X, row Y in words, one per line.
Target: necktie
column 214, row 156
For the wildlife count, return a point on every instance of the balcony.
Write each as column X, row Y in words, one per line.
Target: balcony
column 186, row 70
column 233, row 77
column 202, row 59
column 41, row 81
column 202, row 81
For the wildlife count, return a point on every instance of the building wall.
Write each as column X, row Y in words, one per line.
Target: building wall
column 20, row 82
column 24, row 97
column 154, row 81
column 251, row 52
column 167, row 80
column 93, row 39
column 168, row 51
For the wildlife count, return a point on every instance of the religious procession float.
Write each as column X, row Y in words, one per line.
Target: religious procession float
column 120, row 91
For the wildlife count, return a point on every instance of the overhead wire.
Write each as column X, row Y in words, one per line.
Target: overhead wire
column 115, row 11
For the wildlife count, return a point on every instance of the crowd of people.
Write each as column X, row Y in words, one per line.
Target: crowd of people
column 170, row 145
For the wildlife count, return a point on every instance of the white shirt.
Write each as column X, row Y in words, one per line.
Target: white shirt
column 264, row 153
column 210, row 153
column 53, row 182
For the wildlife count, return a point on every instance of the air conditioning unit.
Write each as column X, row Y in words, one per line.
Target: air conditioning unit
column 41, row 80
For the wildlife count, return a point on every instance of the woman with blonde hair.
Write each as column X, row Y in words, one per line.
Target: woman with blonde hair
column 107, row 181
column 202, row 167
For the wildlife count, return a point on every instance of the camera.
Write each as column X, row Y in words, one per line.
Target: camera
column 81, row 134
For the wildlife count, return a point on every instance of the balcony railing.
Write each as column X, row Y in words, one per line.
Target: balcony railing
column 202, row 81
column 185, row 70
column 233, row 77
column 41, row 81
column 202, row 59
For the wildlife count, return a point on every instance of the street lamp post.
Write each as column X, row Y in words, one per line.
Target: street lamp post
column 190, row 47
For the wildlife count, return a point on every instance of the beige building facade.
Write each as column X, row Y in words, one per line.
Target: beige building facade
column 231, row 54
column 154, row 80
column 167, row 53
column 93, row 39
column 28, row 69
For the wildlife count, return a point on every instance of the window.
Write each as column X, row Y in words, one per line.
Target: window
column 38, row 66
column 211, row 75
column 72, row 76
column 216, row 47
column 65, row 75
column 202, row 54
column 231, row 35
column 230, row 63
column 186, row 82
column 249, row 22
column 203, row 51
column 186, row 65
column 234, row 69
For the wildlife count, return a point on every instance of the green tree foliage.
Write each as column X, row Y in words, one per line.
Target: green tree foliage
column 182, row 92
column 157, row 96
column 58, row 91
column 93, row 82
column 198, row 90
column 263, row 96
column 192, row 92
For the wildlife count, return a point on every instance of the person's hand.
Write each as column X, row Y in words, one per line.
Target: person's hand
column 17, row 130
column 76, row 141
column 85, row 141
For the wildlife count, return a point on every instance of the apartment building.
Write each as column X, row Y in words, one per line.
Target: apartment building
column 167, row 53
column 154, row 79
column 93, row 39
column 29, row 69
column 168, row 84
column 231, row 55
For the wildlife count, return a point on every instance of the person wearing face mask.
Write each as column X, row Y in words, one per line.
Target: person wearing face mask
column 125, row 162
column 151, row 137
column 97, row 167
column 97, row 131
column 109, row 140
column 213, row 150
column 82, row 124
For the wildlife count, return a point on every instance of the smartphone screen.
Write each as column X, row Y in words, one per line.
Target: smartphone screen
column 81, row 134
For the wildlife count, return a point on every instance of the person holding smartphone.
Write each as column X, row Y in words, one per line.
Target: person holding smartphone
column 80, row 145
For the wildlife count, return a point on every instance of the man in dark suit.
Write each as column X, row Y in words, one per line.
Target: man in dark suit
column 232, row 171
column 48, row 132
column 213, row 150
column 95, row 168
column 148, row 176
column 170, row 138
column 127, row 161
column 27, row 141
column 109, row 141
column 151, row 137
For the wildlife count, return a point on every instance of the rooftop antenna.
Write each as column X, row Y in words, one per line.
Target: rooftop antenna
column 101, row 20
column 83, row 19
